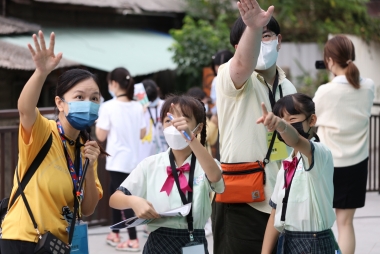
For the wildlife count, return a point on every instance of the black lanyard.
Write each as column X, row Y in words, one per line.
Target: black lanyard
column 272, row 99
column 272, row 93
column 189, row 199
column 287, row 191
column 151, row 117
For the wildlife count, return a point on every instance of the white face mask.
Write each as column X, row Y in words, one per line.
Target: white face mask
column 174, row 138
column 268, row 55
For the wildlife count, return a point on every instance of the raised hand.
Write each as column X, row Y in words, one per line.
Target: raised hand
column 253, row 15
column 268, row 119
column 44, row 59
column 91, row 151
column 180, row 122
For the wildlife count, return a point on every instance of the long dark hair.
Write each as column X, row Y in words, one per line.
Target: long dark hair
column 342, row 51
column 124, row 79
column 190, row 106
column 67, row 81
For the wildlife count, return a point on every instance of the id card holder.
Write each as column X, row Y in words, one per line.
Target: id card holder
column 79, row 244
column 279, row 151
column 194, row 248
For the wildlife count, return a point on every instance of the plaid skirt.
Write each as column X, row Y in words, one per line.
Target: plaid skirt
column 294, row 242
column 171, row 241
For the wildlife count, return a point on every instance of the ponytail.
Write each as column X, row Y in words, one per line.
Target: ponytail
column 352, row 74
column 204, row 131
column 129, row 86
column 342, row 51
column 124, row 79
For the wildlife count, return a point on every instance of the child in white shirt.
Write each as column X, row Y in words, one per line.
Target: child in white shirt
column 302, row 198
column 151, row 187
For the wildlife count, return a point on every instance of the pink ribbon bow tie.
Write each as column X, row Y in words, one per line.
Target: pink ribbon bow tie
column 168, row 185
column 290, row 168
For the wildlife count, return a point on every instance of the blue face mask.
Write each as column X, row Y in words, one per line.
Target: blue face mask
column 82, row 114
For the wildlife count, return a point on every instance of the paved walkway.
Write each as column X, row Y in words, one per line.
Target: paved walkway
column 366, row 223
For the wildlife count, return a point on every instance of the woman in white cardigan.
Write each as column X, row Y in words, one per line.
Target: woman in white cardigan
column 343, row 107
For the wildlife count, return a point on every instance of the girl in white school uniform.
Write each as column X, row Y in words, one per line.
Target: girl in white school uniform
column 303, row 195
column 152, row 187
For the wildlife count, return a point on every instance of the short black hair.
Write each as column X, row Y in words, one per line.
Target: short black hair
column 151, row 89
column 196, row 92
column 294, row 104
column 221, row 57
column 239, row 27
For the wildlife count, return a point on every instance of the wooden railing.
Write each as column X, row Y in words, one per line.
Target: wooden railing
column 102, row 214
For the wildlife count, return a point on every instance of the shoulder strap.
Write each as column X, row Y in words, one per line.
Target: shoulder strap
column 21, row 185
column 21, row 190
column 32, row 168
column 72, row 226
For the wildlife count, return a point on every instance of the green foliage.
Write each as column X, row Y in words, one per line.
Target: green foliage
column 212, row 9
column 194, row 46
column 206, row 30
column 313, row 20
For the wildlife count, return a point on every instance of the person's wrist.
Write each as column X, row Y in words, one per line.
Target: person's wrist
column 42, row 73
column 192, row 136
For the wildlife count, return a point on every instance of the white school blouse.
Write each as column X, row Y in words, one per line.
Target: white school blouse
column 147, row 179
column 311, row 193
column 343, row 118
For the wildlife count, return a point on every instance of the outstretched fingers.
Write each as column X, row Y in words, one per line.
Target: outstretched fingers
column 265, row 114
column 270, row 11
column 244, row 5
column 52, row 41
column 265, row 111
column 31, row 50
column 58, row 58
column 36, row 44
column 42, row 40
column 176, row 112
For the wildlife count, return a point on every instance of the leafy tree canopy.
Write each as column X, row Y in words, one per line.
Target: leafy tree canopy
column 206, row 28
column 195, row 44
column 312, row 21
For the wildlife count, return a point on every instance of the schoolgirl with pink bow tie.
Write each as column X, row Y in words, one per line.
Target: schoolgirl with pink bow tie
column 302, row 214
column 185, row 173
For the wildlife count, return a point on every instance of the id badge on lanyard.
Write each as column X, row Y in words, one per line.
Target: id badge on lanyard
column 194, row 248
column 79, row 244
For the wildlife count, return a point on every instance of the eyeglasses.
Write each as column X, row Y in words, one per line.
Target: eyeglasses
column 268, row 37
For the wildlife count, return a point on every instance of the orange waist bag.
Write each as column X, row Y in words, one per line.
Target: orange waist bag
column 244, row 183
